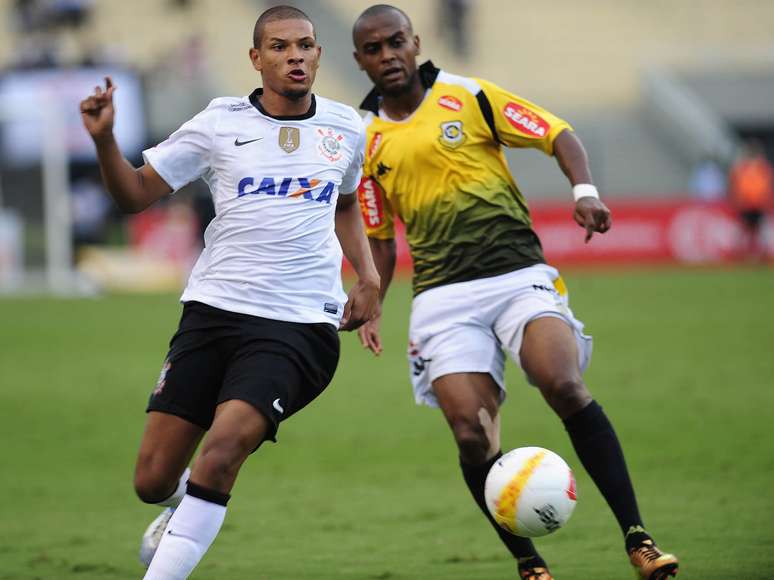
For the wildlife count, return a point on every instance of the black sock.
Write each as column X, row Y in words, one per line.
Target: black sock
column 521, row 548
column 600, row 453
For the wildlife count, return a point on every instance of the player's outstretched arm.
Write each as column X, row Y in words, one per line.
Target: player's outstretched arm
column 384, row 256
column 363, row 301
column 590, row 213
column 132, row 189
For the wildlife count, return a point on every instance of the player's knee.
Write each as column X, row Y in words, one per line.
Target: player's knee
column 566, row 396
column 472, row 440
column 153, row 487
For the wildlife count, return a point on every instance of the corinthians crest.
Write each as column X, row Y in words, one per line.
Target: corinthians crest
column 330, row 144
column 289, row 139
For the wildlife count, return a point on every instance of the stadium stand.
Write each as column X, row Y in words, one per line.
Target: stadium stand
column 586, row 64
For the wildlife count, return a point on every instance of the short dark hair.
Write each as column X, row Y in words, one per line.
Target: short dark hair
column 378, row 10
column 274, row 14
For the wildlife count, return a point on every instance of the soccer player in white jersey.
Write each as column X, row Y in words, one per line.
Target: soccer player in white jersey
column 258, row 338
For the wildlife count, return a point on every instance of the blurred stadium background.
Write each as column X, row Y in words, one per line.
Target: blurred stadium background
column 665, row 94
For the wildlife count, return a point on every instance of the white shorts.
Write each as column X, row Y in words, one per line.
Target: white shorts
column 464, row 327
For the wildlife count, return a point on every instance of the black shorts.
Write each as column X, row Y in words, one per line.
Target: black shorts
column 752, row 218
column 215, row 356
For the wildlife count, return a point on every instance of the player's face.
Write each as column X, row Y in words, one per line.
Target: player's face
column 287, row 58
column 387, row 51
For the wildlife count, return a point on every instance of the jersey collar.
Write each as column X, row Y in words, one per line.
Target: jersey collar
column 427, row 75
column 257, row 104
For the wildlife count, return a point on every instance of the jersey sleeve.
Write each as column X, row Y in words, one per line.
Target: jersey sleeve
column 520, row 123
column 185, row 156
column 375, row 207
column 354, row 173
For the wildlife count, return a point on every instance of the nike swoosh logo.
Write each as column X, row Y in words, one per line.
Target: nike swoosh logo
column 239, row 143
column 277, row 406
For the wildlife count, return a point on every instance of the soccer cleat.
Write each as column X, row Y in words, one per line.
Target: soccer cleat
column 152, row 536
column 535, row 573
column 651, row 563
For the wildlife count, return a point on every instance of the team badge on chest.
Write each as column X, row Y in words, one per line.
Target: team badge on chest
column 330, row 144
column 452, row 135
column 289, row 139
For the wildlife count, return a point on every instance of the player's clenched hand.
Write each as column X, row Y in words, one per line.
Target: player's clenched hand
column 370, row 337
column 97, row 111
column 362, row 304
column 593, row 215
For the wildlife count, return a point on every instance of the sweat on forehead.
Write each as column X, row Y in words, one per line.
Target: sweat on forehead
column 275, row 14
column 378, row 11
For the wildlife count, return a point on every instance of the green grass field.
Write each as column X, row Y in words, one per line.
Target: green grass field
column 364, row 484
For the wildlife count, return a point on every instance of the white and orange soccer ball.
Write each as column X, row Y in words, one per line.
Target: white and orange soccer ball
column 530, row 492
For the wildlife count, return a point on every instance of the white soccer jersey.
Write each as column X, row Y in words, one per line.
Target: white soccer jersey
column 271, row 250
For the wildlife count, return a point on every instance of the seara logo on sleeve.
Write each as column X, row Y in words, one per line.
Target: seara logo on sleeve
column 376, row 140
column 369, row 194
column 526, row 121
column 300, row 187
column 450, row 102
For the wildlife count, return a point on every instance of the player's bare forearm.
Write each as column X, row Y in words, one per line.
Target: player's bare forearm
column 590, row 213
column 384, row 253
column 384, row 257
column 354, row 243
column 363, row 300
column 132, row 189
column 572, row 158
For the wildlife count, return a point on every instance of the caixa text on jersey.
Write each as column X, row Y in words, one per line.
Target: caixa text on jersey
column 298, row 187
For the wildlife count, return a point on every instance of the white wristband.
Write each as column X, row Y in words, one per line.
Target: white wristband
column 584, row 190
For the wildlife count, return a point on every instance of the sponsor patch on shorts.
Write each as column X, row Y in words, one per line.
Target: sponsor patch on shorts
column 162, row 380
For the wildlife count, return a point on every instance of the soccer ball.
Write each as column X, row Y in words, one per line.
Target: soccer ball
column 530, row 492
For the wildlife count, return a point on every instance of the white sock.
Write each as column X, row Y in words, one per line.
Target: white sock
column 177, row 496
column 190, row 532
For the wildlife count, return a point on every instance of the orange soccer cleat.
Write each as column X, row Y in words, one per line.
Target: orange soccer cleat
column 535, row 573
column 651, row 563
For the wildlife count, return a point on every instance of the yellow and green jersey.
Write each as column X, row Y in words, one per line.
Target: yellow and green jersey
column 443, row 173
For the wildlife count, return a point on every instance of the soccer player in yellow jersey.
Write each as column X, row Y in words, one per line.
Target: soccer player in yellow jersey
column 481, row 285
